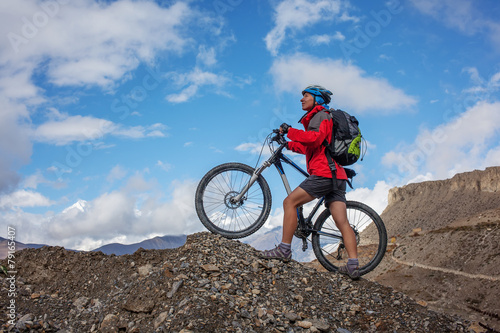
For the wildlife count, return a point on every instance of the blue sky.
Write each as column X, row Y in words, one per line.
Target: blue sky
column 112, row 111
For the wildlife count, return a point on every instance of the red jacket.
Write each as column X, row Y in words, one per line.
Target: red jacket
column 318, row 125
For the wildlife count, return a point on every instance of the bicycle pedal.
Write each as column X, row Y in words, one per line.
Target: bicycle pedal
column 298, row 233
column 339, row 251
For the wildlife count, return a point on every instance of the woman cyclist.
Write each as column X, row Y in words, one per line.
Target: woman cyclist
column 323, row 181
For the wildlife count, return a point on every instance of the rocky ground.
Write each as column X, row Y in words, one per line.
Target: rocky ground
column 461, row 277
column 210, row 284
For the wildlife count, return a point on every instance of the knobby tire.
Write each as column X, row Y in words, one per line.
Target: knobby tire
column 371, row 237
column 221, row 216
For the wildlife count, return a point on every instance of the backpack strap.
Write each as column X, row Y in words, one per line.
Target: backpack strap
column 333, row 168
column 328, row 154
column 350, row 175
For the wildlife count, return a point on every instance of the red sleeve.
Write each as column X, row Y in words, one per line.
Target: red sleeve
column 297, row 147
column 311, row 138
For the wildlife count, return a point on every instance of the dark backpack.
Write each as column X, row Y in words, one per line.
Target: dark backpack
column 345, row 146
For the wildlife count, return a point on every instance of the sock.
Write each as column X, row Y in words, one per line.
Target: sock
column 286, row 248
column 352, row 264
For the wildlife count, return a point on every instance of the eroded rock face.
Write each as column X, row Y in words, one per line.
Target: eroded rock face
column 210, row 284
column 475, row 181
column 435, row 204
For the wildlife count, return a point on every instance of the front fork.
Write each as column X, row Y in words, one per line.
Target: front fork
column 258, row 171
column 253, row 178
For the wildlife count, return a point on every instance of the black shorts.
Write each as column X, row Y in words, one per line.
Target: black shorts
column 323, row 187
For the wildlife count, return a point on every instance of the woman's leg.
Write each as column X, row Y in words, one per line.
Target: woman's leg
column 297, row 198
column 339, row 215
column 283, row 251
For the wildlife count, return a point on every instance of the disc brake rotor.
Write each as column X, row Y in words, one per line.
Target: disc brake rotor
column 230, row 203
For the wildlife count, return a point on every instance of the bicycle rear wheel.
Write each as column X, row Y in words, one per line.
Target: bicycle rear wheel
column 371, row 237
column 232, row 219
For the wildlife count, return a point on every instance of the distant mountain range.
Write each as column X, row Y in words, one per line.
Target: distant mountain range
column 261, row 240
column 19, row 246
column 156, row 243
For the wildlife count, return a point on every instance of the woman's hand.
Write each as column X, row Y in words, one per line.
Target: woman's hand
column 284, row 128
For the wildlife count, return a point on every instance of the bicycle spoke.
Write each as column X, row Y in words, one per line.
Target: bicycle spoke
column 328, row 245
column 217, row 209
column 226, row 215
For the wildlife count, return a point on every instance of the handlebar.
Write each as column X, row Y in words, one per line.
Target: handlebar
column 278, row 137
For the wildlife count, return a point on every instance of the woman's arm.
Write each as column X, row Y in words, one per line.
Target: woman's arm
column 297, row 147
column 318, row 130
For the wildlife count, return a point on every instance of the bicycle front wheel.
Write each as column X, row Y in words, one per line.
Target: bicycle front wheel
column 371, row 238
column 223, row 216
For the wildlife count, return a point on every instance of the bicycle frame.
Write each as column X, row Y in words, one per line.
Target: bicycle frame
column 276, row 159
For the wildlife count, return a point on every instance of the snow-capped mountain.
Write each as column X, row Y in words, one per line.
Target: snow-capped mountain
column 79, row 206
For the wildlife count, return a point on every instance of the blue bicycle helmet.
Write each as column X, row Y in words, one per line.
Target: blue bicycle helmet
column 321, row 94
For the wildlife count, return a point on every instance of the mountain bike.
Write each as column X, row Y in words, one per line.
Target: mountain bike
column 234, row 201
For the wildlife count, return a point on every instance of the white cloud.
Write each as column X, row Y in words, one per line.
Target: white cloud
column 135, row 132
column 347, row 82
column 130, row 214
column 253, row 148
column 191, row 82
column 421, row 178
column 187, row 93
column 33, row 180
column 23, row 198
column 117, row 173
column 206, row 56
column 75, row 128
column 68, row 129
column 109, row 215
column 294, row 15
column 385, row 57
column 164, row 166
column 326, row 39
column 375, row 198
column 15, row 83
column 466, row 143
column 15, row 146
column 456, row 13
column 86, row 42
column 78, row 43
column 462, row 15
column 482, row 88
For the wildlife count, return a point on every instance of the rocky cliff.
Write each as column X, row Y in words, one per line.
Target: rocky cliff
column 435, row 204
column 445, row 245
column 487, row 180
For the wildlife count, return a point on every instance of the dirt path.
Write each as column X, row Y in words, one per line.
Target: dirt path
column 440, row 269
